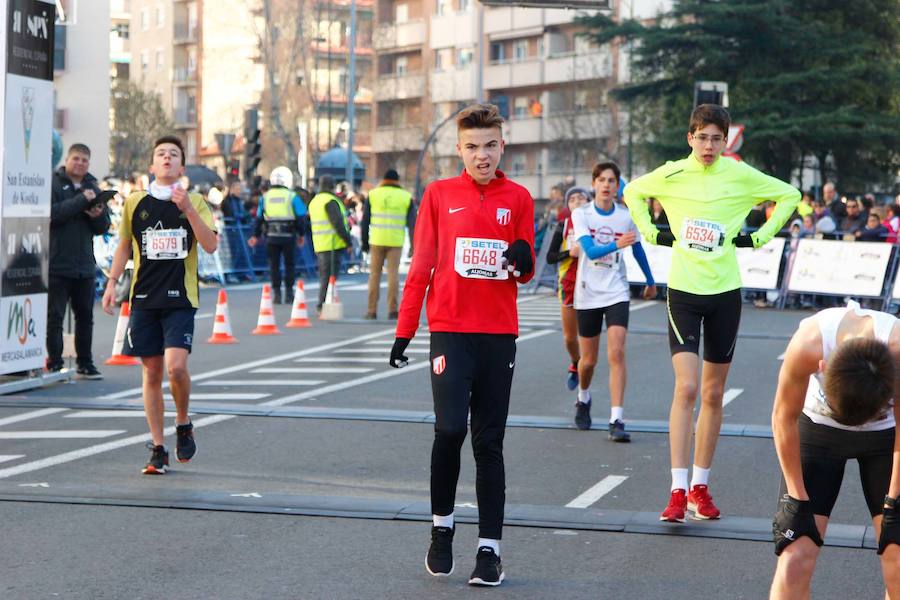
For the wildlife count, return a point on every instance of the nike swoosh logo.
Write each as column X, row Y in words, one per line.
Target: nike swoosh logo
column 456, row 210
column 511, row 365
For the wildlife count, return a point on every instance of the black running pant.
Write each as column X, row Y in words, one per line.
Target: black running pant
column 80, row 292
column 471, row 373
column 276, row 249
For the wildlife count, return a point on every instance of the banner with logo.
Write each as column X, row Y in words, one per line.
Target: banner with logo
column 26, row 128
column 840, row 268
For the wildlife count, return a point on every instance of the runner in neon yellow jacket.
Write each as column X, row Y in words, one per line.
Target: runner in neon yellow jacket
column 706, row 199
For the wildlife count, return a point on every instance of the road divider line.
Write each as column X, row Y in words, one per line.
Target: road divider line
column 52, row 461
column 730, row 394
column 35, row 414
column 264, row 361
column 296, row 370
column 597, row 491
column 61, row 434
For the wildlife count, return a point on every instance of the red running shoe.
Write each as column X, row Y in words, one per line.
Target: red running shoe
column 701, row 504
column 674, row 512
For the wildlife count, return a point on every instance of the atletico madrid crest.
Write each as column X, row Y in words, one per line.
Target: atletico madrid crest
column 438, row 364
column 503, row 216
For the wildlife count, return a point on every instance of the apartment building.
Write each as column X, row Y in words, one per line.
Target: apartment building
column 119, row 40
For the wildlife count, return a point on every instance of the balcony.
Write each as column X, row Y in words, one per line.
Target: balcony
column 389, row 36
column 400, row 87
column 525, row 131
column 455, row 85
column 185, row 118
column 398, row 139
column 186, row 33
column 456, row 30
column 524, row 73
column 563, row 68
column 577, row 125
column 185, row 76
column 497, row 20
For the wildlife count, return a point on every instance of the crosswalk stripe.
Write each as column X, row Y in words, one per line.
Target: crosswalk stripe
column 104, row 414
column 342, row 359
column 255, row 382
column 313, row 370
column 9, row 457
column 60, row 434
column 30, row 415
column 597, row 491
column 380, row 351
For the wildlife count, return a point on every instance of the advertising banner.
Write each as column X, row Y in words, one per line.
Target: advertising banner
column 23, row 331
column 840, row 268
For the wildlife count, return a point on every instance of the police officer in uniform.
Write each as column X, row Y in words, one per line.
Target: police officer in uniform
column 281, row 213
column 388, row 212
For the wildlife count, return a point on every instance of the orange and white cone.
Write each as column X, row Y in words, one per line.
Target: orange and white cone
column 332, row 310
column 265, row 325
column 222, row 326
column 299, row 316
column 118, row 359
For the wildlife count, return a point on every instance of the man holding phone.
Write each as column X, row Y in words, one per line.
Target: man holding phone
column 77, row 214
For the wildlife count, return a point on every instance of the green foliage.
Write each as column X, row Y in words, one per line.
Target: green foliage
column 138, row 120
column 812, row 78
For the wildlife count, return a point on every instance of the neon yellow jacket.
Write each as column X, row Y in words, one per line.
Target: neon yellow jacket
column 706, row 207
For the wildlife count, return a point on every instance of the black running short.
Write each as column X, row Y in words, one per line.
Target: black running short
column 590, row 320
column 720, row 316
column 152, row 330
column 825, row 450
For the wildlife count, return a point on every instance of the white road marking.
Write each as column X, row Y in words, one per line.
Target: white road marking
column 254, row 382
column 105, row 414
column 99, row 448
column 390, row 343
column 60, row 434
column 781, row 356
column 9, row 457
column 538, row 323
column 646, row 304
column 264, row 361
column 42, row 484
column 336, row 387
column 731, row 394
column 344, row 359
column 597, row 491
column 380, row 351
column 30, row 415
column 247, row 495
column 296, row 370
column 205, row 315
column 218, row 396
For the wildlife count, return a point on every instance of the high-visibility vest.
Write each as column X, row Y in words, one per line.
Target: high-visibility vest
column 278, row 212
column 389, row 206
column 324, row 236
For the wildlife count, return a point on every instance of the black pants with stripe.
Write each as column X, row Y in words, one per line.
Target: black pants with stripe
column 471, row 374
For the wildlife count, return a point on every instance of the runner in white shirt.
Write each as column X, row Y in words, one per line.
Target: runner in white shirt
column 603, row 230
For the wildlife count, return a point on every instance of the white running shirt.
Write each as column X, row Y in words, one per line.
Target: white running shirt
column 816, row 405
column 603, row 281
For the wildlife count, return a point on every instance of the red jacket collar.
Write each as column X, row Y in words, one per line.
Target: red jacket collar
column 499, row 179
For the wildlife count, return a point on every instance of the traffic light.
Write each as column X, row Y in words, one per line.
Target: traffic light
column 233, row 169
column 252, row 147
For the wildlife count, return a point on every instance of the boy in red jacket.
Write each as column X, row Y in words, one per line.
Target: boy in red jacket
column 474, row 242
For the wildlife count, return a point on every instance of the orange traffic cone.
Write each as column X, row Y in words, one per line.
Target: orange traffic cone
column 118, row 359
column 222, row 326
column 299, row 316
column 265, row 325
column 332, row 310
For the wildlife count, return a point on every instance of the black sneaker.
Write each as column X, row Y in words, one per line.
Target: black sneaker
column 393, row 315
column 276, row 296
column 289, row 298
column 185, row 448
column 439, row 560
column 617, row 432
column 55, row 367
column 159, row 460
column 488, row 570
column 583, row 415
column 89, row 371
column 370, row 316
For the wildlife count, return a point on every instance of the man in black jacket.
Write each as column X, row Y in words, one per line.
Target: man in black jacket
column 74, row 221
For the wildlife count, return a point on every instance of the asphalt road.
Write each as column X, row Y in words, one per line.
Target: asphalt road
column 311, row 479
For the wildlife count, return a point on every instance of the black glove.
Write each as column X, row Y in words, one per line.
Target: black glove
column 890, row 529
column 744, row 240
column 793, row 520
column 397, row 359
column 518, row 258
column 665, row 238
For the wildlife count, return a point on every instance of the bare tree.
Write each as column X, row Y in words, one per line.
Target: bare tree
column 138, row 119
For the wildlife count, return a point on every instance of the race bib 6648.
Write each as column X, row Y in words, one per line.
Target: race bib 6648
column 480, row 258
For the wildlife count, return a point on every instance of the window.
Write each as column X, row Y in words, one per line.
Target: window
column 518, row 163
column 160, row 16
column 401, row 13
column 582, row 44
column 520, row 107
column 520, row 49
column 121, row 30
column 59, row 48
column 463, row 57
column 145, row 61
column 402, row 65
column 581, row 100
column 160, row 59
column 444, row 7
column 465, row 5
column 145, row 19
column 498, row 52
column 443, row 59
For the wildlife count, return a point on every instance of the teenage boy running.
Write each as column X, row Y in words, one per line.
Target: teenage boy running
column 161, row 229
column 706, row 198
column 474, row 243
column 604, row 229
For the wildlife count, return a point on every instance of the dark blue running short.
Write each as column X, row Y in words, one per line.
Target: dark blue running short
column 152, row 330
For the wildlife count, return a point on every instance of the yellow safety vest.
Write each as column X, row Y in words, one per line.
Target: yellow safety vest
column 325, row 238
column 278, row 213
column 389, row 206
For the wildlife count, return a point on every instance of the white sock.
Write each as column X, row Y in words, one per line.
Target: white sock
column 700, row 476
column 584, row 396
column 679, row 479
column 493, row 544
column 443, row 521
column 617, row 414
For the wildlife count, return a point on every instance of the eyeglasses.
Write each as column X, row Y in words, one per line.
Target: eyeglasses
column 714, row 139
